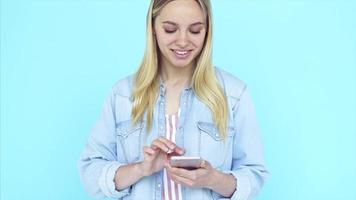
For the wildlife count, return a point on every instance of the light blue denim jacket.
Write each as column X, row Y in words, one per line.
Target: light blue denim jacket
column 114, row 142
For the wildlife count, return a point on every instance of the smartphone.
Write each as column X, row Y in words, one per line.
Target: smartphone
column 186, row 162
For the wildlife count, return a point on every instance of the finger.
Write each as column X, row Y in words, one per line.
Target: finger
column 169, row 143
column 149, row 150
column 160, row 145
column 189, row 174
column 148, row 155
column 182, row 180
column 205, row 164
column 172, row 145
column 179, row 150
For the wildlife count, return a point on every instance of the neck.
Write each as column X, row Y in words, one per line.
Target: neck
column 176, row 76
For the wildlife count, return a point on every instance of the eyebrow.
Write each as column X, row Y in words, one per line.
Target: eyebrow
column 172, row 23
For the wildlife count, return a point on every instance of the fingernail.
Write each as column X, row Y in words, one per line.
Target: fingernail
column 202, row 163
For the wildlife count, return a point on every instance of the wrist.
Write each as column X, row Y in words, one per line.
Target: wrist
column 222, row 183
column 214, row 181
column 140, row 169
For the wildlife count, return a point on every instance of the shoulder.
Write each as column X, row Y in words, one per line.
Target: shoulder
column 233, row 86
column 124, row 86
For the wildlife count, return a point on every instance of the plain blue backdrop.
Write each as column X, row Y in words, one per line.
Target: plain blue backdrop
column 60, row 58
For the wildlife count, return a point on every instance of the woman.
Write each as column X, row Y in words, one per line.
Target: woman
column 176, row 104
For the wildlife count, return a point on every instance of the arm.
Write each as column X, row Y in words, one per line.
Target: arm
column 155, row 158
column 135, row 172
column 98, row 162
column 248, row 171
column 101, row 173
column 248, row 165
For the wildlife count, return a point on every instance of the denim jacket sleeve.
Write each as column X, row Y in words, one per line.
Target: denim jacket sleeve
column 248, row 165
column 98, row 162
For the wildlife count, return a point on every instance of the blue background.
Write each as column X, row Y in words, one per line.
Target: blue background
column 60, row 58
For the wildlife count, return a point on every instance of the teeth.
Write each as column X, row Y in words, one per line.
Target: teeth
column 181, row 52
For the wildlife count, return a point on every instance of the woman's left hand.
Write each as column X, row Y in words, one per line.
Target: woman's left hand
column 204, row 176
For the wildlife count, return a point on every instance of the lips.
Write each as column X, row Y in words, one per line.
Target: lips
column 181, row 54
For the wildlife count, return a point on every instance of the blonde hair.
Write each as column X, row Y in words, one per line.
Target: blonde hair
column 205, row 83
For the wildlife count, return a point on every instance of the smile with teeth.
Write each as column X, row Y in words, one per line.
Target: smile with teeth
column 181, row 53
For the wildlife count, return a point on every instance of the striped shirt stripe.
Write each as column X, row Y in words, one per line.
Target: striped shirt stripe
column 172, row 190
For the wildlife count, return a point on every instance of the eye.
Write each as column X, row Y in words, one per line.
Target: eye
column 170, row 30
column 195, row 32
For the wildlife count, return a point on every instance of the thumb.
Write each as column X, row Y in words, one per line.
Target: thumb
column 203, row 164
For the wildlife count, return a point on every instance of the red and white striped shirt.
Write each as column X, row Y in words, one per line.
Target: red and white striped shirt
column 171, row 190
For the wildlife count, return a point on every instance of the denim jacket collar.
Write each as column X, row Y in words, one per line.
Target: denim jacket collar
column 163, row 87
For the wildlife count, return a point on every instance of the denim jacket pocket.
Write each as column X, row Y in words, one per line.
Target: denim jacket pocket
column 212, row 146
column 129, row 140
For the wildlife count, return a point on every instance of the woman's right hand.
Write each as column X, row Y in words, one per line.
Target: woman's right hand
column 156, row 156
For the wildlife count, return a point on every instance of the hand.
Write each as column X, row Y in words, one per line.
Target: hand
column 204, row 176
column 156, row 156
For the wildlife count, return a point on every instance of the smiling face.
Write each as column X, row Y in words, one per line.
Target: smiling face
column 180, row 31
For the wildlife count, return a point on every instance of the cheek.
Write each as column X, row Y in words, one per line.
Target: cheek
column 199, row 41
column 161, row 43
column 164, row 40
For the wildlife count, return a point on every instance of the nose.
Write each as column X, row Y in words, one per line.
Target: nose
column 182, row 40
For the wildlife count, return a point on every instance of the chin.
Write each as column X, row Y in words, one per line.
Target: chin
column 181, row 63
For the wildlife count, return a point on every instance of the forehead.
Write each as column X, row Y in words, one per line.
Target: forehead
column 182, row 12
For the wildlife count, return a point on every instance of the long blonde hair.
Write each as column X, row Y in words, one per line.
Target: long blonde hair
column 205, row 83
